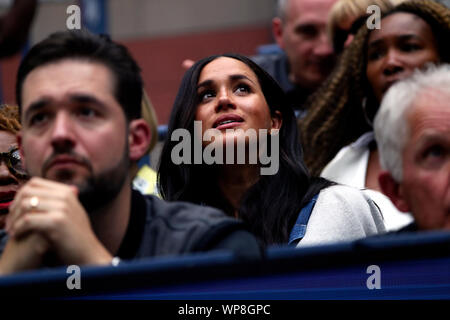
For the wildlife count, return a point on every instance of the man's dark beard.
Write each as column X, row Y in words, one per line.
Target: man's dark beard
column 97, row 190
column 103, row 188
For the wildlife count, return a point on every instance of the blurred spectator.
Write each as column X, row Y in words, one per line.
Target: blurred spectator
column 347, row 16
column 80, row 97
column 280, row 202
column 337, row 132
column 12, row 174
column 145, row 176
column 300, row 29
column 412, row 129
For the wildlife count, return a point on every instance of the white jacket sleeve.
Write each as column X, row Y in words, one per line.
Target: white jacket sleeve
column 342, row 213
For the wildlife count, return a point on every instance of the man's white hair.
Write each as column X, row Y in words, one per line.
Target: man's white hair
column 391, row 124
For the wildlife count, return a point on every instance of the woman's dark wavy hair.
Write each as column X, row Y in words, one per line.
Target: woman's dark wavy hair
column 335, row 115
column 271, row 206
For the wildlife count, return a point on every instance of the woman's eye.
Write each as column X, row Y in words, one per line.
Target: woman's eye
column 243, row 88
column 408, row 47
column 206, row 95
column 374, row 54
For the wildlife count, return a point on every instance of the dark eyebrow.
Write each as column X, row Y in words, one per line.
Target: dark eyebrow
column 233, row 77
column 405, row 37
column 35, row 106
column 76, row 98
column 88, row 99
column 205, row 83
column 240, row 77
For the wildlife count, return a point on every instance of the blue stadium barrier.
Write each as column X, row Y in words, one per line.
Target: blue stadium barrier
column 412, row 266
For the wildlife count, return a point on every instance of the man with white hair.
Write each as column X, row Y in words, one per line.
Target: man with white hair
column 412, row 129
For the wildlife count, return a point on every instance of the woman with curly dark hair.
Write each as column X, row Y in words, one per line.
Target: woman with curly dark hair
column 346, row 16
column 412, row 35
column 230, row 96
column 12, row 174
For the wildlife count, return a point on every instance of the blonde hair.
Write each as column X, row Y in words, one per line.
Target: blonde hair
column 149, row 115
column 351, row 10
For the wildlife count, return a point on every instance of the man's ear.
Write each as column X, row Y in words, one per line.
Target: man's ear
column 19, row 143
column 277, row 30
column 277, row 120
column 139, row 137
column 393, row 190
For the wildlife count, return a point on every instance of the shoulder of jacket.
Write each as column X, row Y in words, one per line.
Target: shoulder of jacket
column 179, row 213
column 347, row 196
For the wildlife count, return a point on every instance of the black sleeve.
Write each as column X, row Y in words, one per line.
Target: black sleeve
column 241, row 242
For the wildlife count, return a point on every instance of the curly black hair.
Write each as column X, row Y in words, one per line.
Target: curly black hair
column 335, row 115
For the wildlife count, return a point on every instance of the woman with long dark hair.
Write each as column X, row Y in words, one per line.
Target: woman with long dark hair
column 225, row 93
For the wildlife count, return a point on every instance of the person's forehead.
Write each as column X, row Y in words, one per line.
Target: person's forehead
column 73, row 69
column 401, row 23
column 430, row 112
column 223, row 67
column 62, row 78
column 308, row 11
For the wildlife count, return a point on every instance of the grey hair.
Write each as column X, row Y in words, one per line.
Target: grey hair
column 391, row 125
column 281, row 9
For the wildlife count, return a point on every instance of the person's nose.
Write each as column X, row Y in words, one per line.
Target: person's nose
column 392, row 63
column 225, row 100
column 62, row 138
